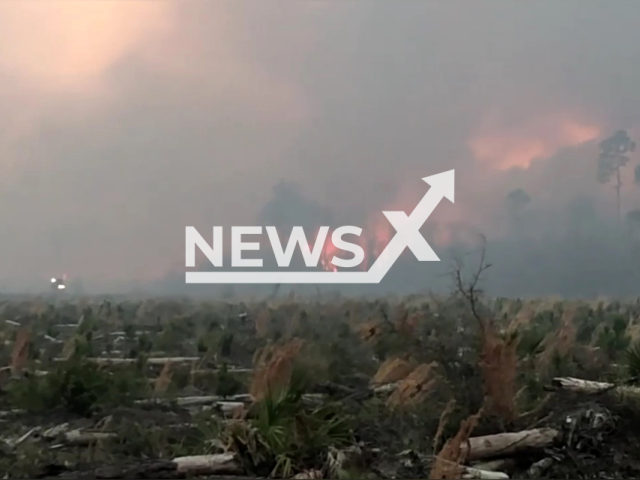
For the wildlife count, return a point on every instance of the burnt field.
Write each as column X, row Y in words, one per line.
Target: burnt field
column 327, row 387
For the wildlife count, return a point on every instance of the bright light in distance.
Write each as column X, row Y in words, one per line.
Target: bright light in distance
column 61, row 287
column 53, row 280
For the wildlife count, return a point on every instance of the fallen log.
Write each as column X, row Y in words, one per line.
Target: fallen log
column 221, row 463
column 11, row 413
column 224, row 466
column 79, row 438
column 124, row 361
column 537, row 469
column 578, row 385
column 508, row 443
column 186, row 402
column 385, row 388
column 496, row 465
column 160, row 361
column 226, row 403
column 56, row 431
column 66, row 325
column 217, row 370
column 471, row 472
column 49, row 338
column 22, row 438
column 591, row 387
column 225, row 407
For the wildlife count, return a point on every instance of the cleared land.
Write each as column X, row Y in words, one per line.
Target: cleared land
column 416, row 387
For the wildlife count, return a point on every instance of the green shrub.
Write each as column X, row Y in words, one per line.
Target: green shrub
column 613, row 340
column 80, row 387
column 226, row 342
column 227, row 384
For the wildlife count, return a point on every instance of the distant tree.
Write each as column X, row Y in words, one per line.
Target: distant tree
column 613, row 156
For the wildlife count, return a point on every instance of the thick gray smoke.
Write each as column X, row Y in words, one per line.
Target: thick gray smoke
column 160, row 115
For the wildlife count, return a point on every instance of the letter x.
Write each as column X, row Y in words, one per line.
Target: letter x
column 408, row 230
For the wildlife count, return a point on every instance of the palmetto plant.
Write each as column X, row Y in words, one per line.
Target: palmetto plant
column 284, row 430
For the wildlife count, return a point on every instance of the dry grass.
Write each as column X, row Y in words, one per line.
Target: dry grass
column 293, row 325
column 70, row 345
column 273, row 367
column 523, row 317
column 591, row 358
column 262, row 323
column 442, row 423
column 164, row 379
column 499, row 366
column 633, row 329
column 392, row 370
column 415, row 388
column 408, row 324
column 448, row 463
column 560, row 342
column 20, row 352
column 370, row 331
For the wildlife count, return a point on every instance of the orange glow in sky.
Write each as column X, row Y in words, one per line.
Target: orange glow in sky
column 62, row 44
column 502, row 147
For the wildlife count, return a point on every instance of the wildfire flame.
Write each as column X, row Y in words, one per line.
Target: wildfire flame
column 328, row 251
column 377, row 232
column 373, row 240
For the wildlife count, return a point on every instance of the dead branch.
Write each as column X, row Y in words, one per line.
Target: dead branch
column 509, row 443
column 470, row 289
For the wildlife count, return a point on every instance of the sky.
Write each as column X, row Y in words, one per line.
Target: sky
column 123, row 121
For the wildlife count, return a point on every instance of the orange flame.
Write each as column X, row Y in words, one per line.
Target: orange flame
column 328, row 251
column 373, row 240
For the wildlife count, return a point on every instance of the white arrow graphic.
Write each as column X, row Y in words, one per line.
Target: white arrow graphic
column 407, row 235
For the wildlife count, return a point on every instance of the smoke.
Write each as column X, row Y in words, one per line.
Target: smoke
column 121, row 124
column 288, row 208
